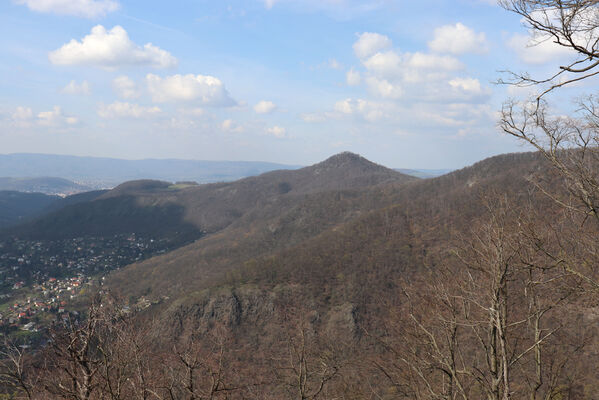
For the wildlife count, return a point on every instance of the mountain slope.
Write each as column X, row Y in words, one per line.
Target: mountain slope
column 189, row 211
column 426, row 211
column 16, row 206
column 382, row 229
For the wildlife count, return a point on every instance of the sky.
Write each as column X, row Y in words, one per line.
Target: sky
column 407, row 84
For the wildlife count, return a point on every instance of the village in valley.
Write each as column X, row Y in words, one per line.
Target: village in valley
column 41, row 281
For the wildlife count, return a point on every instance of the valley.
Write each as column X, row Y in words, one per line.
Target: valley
column 41, row 277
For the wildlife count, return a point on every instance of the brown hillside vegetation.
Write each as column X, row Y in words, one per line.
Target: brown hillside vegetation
column 462, row 286
column 189, row 211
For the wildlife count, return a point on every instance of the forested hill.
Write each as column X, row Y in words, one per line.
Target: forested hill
column 15, row 207
column 315, row 231
column 190, row 210
column 351, row 267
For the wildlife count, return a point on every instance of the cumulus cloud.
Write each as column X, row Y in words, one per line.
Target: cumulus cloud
column 394, row 65
column 433, row 61
column 78, row 8
column 384, row 88
column 369, row 43
column 22, row 117
column 393, row 75
column 120, row 109
column 533, row 50
column 387, row 64
column 277, row 131
column 22, row 114
column 265, row 107
column 365, row 109
column 125, row 88
column 353, row 77
column 55, row 118
column 466, row 84
column 458, row 39
column 390, row 72
column 111, row 49
column 74, row 88
column 203, row 89
column 229, row 125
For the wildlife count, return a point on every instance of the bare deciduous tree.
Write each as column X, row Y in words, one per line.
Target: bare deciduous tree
column 308, row 363
column 16, row 372
column 570, row 144
column 492, row 323
column 571, row 24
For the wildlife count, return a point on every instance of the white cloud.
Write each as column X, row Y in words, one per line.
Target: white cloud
column 313, row 117
column 120, row 109
column 22, row 114
column 537, row 50
column 269, row 3
column 344, row 106
column 22, row 117
column 365, row 109
column 196, row 112
column 353, row 77
column 79, row 8
column 55, row 117
column 338, row 8
column 458, row 39
column 277, row 131
column 111, row 49
column 466, row 84
column 369, row 43
column 125, row 88
column 229, row 125
column 417, row 76
column 206, row 90
column 387, row 64
column 384, row 88
column 265, row 107
column 433, row 61
column 415, row 67
column 77, row 89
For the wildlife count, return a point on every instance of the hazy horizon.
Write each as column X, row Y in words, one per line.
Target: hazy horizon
column 284, row 81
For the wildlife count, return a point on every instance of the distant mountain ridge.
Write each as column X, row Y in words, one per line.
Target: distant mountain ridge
column 424, row 173
column 99, row 173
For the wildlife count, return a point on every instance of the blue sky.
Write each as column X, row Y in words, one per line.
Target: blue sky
column 404, row 83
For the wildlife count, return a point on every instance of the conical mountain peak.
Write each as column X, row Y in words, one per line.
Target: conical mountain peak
column 347, row 160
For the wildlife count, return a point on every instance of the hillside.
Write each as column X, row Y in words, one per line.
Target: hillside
column 427, row 212
column 346, row 263
column 189, row 211
column 15, row 207
column 341, row 263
